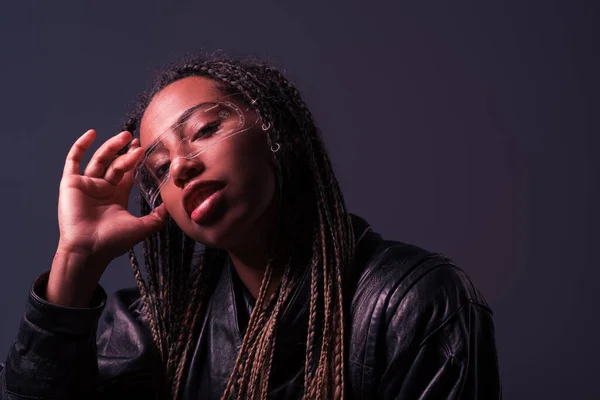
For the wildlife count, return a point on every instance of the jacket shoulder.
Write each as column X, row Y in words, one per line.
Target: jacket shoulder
column 417, row 321
column 396, row 280
column 405, row 297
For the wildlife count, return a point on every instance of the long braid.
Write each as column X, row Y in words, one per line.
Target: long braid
column 174, row 295
column 144, row 294
column 179, row 306
column 200, row 284
column 235, row 380
column 182, row 310
column 310, row 337
column 155, row 303
column 260, row 374
column 176, row 333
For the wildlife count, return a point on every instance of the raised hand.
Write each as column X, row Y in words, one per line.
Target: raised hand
column 95, row 225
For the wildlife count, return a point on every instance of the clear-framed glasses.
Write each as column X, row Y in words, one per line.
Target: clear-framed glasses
column 197, row 130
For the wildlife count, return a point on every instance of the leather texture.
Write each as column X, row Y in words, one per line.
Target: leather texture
column 416, row 329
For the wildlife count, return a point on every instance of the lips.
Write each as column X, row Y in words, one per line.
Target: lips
column 196, row 192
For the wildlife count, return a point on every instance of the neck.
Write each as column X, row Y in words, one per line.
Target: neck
column 251, row 269
column 250, row 258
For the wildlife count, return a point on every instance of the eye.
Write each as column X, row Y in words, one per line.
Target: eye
column 161, row 170
column 208, row 130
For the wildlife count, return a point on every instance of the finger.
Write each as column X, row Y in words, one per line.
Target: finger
column 135, row 142
column 128, row 178
column 122, row 165
column 153, row 222
column 129, row 149
column 81, row 145
column 109, row 149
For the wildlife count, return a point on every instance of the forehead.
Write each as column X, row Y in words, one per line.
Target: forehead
column 172, row 101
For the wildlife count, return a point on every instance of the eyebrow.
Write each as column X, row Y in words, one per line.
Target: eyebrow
column 183, row 118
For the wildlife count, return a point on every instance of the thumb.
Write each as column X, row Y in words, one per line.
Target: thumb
column 154, row 221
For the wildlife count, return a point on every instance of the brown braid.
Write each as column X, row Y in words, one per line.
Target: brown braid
column 309, row 198
column 310, row 338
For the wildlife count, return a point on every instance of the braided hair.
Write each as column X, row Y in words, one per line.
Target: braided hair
column 175, row 287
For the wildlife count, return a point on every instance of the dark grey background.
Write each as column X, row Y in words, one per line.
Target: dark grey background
column 468, row 128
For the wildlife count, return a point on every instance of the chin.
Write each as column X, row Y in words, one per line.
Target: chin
column 218, row 233
column 227, row 229
column 209, row 236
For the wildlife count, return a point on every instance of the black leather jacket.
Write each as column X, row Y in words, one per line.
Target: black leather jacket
column 417, row 329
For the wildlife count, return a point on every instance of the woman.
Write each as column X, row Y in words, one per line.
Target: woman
column 288, row 296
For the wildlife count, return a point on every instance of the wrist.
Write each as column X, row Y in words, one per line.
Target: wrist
column 73, row 278
column 67, row 247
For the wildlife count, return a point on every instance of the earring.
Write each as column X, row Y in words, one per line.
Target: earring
column 275, row 148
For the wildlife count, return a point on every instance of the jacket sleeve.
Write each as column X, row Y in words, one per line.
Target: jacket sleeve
column 449, row 351
column 59, row 352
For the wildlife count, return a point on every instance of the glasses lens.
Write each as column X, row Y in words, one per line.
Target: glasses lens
column 201, row 128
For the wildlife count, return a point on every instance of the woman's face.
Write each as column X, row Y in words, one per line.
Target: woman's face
column 224, row 197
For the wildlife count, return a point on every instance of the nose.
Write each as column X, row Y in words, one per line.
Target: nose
column 183, row 169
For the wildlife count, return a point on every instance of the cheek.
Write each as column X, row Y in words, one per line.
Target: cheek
column 255, row 200
column 171, row 196
column 262, row 188
column 253, row 170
